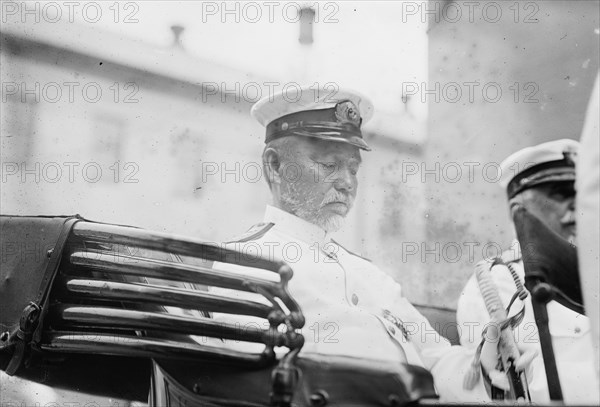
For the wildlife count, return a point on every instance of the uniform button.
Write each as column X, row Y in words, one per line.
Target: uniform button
column 354, row 299
column 577, row 329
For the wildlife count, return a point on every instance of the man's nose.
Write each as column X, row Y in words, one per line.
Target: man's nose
column 571, row 203
column 345, row 180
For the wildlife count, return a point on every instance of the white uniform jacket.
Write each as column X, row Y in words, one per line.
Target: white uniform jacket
column 354, row 309
column 570, row 331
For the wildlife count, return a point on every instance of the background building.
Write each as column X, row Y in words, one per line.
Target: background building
column 138, row 113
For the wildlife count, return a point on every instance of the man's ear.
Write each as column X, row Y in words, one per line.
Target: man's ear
column 271, row 165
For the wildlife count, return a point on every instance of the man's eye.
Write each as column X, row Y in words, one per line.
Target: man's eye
column 561, row 193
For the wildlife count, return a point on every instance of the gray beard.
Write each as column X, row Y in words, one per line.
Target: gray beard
column 300, row 207
column 331, row 223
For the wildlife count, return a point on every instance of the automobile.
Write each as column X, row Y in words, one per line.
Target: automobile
column 127, row 316
column 124, row 313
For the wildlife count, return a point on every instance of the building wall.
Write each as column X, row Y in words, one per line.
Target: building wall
column 180, row 161
column 550, row 51
column 171, row 158
column 154, row 141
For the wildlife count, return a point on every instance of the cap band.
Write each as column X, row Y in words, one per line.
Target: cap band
column 340, row 123
column 553, row 171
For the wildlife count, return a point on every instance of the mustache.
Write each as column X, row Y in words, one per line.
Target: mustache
column 337, row 196
column 569, row 218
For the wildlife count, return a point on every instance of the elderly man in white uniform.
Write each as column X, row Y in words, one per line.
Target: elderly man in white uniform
column 311, row 160
column 541, row 178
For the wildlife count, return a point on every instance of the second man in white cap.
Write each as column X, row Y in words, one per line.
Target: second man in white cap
column 541, row 179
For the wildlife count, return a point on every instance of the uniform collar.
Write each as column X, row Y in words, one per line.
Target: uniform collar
column 513, row 253
column 294, row 226
column 515, row 247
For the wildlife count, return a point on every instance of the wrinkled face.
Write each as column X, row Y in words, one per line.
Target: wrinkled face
column 319, row 181
column 554, row 204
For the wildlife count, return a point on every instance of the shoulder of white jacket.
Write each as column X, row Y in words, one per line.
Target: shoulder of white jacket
column 350, row 252
column 254, row 233
column 511, row 256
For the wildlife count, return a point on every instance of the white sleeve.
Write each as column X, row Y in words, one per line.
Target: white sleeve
column 448, row 364
column 471, row 313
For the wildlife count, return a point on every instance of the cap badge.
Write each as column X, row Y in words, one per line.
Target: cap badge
column 347, row 112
